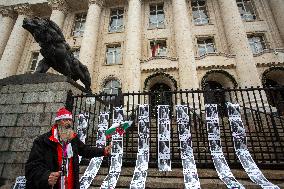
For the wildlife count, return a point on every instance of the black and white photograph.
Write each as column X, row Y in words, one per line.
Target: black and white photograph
column 183, row 128
column 182, row 113
column 213, row 127
column 142, row 159
column 143, row 143
column 143, row 127
column 231, row 182
column 118, row 115
column 234, row 110
column 116, row 147
column 143, row 111
column 104, row 119
column 163, row 111
column 115, row 164
column 188, row 164
column 186, row 150
column 215, row 145
column 164, row 147
column 240, row 143
column 164, row 165
column 117, row 136
column 101, row 135
column 237, row 128
column 211, row 111
column 164, row 131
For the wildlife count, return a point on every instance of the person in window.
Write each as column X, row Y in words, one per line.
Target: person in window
column 53, row 161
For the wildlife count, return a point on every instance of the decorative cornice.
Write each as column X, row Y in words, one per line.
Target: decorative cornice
column 60, row 5
column 97, row 2
column 215, row 54
column 159, row 69
column 269, row 64
column 209, row 67
column 158, row 58
column 23, row 9
column 275, row 51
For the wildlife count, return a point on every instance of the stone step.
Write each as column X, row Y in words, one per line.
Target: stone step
column 174, row 179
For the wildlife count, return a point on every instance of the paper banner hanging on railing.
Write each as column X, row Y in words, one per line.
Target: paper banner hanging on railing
column 191, row 180
column 164, row 137
column 83, row 122
column 220, row 163
column 20, row 183
column 116, row 153
column 240, row 145
column 140, row 172
column 95, row 163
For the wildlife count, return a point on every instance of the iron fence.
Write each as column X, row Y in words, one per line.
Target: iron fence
column 261, row 111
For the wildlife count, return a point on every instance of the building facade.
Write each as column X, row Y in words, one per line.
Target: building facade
column 145, row 45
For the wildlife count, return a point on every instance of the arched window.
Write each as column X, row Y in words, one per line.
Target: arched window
column 112, row 87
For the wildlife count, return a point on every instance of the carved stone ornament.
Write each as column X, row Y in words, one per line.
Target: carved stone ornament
column 7, row 12
column 98, row 2
column 60, row 5
column 23, row 9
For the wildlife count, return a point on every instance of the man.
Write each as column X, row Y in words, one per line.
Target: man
column 53, row 161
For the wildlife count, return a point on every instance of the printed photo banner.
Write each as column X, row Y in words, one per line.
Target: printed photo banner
column 116, row 153
column 95, row 163
column 164, row 137
column 220, row 163
column 20, row 183
column 140, row 172
column 191, row 180
column 240, row 145
column 83, row 123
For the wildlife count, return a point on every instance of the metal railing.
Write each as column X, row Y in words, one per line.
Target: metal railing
column 261, row 110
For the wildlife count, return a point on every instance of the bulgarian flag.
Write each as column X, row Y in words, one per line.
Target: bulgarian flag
column 119, row 128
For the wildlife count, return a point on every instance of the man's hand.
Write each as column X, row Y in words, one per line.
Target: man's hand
column 53, row 177
column 107, row 150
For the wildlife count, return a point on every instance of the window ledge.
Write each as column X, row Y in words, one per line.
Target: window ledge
column 215, row 54
column 112, row 64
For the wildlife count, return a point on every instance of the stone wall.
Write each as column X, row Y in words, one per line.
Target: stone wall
column 28, row 104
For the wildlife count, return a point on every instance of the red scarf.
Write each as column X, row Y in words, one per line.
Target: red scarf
column 69, row 181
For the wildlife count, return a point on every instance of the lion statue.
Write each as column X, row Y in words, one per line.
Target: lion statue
column 55, row 51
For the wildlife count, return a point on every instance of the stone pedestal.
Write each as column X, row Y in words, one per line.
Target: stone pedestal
column 28, row 104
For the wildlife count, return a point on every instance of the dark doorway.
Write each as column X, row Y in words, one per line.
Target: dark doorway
column 214, row 94
column 160, row 95
column 275, row 95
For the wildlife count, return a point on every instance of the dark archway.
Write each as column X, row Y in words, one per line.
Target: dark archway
column 215, row 94
column 273, row 78
column 160, row 95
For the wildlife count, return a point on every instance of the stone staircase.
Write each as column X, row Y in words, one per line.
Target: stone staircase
column 174, row 179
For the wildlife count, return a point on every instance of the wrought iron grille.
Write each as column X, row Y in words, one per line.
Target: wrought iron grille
column 261, row 111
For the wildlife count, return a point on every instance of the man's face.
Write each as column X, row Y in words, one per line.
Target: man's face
column 64, row 129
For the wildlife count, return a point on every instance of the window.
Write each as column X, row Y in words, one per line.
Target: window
column 199, row 12
column 116, row 20
column 157, row 16
column 246, row 10
column 79, row 25
column 113, row 54
column 257, row 43
column 112, row 87
column 34, row 61
column 205, row 45
column 158, row 48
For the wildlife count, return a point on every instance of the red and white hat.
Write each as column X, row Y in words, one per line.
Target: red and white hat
column 63, row 113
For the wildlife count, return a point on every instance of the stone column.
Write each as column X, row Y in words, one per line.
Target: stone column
column 59, row 9
column 6, row 26
column 15, row 46
column 277, row 8
column 238, row 44
column 184, row 45
column 90, row 37
column 132, row 52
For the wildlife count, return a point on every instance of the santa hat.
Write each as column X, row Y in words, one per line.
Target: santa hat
column 63, row 113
